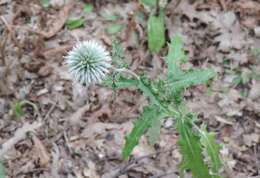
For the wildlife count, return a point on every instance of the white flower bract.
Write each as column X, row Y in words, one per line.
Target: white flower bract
column 88, row 62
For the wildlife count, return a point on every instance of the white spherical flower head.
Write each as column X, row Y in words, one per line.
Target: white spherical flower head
column 88, row 62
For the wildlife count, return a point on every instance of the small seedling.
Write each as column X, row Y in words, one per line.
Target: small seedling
column 17, row 110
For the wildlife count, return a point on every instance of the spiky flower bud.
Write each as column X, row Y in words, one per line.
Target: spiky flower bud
column 88, row 62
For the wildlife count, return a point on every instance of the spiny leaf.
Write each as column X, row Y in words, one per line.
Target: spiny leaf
column 174, row 58
column 192, row 78
column 156, row 32
column 154, row 131
column 191, row 151
column 140, row 127
column 119, row 82
column 212, row 151
column 145, row 87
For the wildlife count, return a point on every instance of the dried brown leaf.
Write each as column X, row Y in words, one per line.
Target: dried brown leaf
column 19, row 135
column 41, row 152
column 59, row 21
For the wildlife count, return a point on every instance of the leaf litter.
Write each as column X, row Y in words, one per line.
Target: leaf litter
column 83, row 134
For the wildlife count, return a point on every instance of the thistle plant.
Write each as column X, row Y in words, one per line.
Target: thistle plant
column 200, row 153
column 88, row 62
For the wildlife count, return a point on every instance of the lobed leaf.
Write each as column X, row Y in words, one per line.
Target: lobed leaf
column 150, row 113
column 191, row 151
column 120, row 82
column 191, row 78
column 212, row 152
column 174, row 58
column 154, row 131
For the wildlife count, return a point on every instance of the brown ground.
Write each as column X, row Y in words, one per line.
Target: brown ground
column 83, row 129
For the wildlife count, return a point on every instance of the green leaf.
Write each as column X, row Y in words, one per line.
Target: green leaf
column 212, row 151
column 154, row 131
column 120, row 82
column 174, row 58
column 45, row 3
column 88, row 8
column 151, row 3
column 140, row 127
column 146, row 88
column 156, row 32
column 190, row 78
column 74, row 23
column 2, row 171
column 18, row 108
column 118, row 56
column 108, row 16
column 114, row 28
column 191, row 151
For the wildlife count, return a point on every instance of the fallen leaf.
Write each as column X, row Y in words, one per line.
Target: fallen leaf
column 19, row 135
column 59, row 21
column 40, row 152
column 255, row 91
column 76, row 117
column 251, row 139
column 45, row 71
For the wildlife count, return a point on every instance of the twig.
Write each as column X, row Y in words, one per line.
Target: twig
column 126, row 71
column 9, row 27
column 50, row 110
column 67, row 142
column 19, row 135
column 3, row 43
column 132, row 163
column 12, row 36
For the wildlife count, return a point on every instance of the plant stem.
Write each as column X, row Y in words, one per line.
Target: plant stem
column 125, row 70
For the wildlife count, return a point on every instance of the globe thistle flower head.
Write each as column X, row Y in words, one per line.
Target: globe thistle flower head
column 88, row 62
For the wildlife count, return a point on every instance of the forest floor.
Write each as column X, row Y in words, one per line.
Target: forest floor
column 79, row 132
